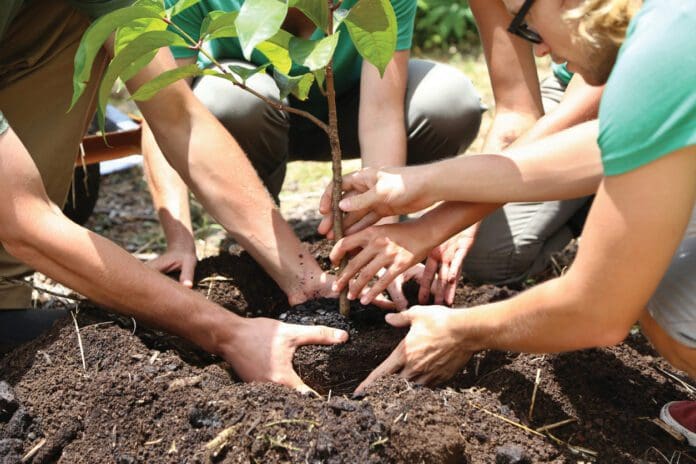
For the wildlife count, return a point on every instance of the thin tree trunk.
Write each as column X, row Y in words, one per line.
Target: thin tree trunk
column 336, row 155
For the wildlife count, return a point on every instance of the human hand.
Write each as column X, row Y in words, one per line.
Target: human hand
column 392, row 247
column 371, row 194
column 261, row 349
column 179, row 256
column 321, row 285
column 396, row 288
column 430, row 353
column 444, row 266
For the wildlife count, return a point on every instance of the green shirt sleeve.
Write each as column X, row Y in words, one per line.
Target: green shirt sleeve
column 405, row 11
column 648, row 109
column 96, row 8
column 189, row 21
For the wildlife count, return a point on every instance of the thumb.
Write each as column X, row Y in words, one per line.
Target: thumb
column 357, row 202
column 318, row 335
column 402, row 319
column 187, row 271
column 295, row 382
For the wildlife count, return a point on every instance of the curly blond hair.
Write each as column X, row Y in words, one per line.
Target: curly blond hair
column 603, row 21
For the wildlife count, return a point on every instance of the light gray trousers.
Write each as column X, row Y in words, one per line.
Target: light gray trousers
column 442, row 112
column 516, row 241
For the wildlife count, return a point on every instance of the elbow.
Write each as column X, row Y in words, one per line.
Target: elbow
column 612, row 336
column 18, row 247
column 19, row 232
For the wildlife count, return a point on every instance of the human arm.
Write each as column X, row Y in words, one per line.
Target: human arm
column 513, row 76
column 170, row 198
column 397, row 247
column 564, row 165
column 381, row 116
column 629, row 239
column 35, row 231
column 579, row 104
column 215, row 168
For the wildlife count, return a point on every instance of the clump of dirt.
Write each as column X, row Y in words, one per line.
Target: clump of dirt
column 148, row 397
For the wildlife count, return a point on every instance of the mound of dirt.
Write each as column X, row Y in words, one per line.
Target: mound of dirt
column 149, row 397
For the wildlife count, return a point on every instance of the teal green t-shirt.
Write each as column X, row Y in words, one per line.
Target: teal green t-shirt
column 561, row 72
column 648, row 108
column 347, row 61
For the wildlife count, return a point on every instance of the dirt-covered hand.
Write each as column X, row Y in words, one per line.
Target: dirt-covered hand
column 430, row 353
column 444, row 266
column 182, row 258
column 392, row 247
column 262, row 349
column 371, row 194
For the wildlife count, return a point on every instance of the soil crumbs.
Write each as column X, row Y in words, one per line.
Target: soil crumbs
column 143, row 396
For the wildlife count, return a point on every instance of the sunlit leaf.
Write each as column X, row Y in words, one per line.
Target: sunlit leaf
column 149, row 89
column 95, row 36
column 219, row 24
column 316, row 10
column 313, row 54
column 299, row 86
column 320, row 77
column 129, row 33
column 245, row 73
column 372, row 26
column 259, row 20
column 128, row 60
column 180, row 6
column 276, row 51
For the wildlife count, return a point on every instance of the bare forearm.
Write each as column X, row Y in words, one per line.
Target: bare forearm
column 579, row 104
column 169, row 192
column 218, row 172
column 108, row 275
column 565, row 165
column 548, row 318
column 449, row 218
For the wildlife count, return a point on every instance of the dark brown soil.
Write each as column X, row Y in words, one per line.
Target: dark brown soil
column 148, row 397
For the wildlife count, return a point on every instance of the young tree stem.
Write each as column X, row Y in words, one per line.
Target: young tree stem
column 336, row 154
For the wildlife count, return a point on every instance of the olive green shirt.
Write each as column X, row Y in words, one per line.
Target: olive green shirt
column 92, row 8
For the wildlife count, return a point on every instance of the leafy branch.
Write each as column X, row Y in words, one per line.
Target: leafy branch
column 146, row 26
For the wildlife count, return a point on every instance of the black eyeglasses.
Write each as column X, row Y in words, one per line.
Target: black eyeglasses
column 519, row 26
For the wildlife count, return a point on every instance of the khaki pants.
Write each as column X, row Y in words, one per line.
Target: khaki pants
column 442, row 117
column 36, row 69
column 516, row 241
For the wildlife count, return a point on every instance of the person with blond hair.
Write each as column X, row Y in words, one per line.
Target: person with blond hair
column 637, row 258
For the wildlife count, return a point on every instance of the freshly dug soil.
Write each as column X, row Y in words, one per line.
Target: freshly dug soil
column 149, row 397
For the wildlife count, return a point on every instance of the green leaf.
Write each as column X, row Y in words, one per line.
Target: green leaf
column 131, row 59
column 180, row 6
column 149, row 89
column 129, row 33
column 276, row 51
column 259, row 20
column 313, row 54
column 372, row 26
column 316, row 10
column 299, row 86
column 95, row 36
column 245, row 73
column 320, row 77
column 219, row 24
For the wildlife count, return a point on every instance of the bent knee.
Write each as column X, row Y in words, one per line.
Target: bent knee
column 443, row 99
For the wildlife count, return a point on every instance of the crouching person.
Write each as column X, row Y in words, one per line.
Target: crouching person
column 38, row 146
